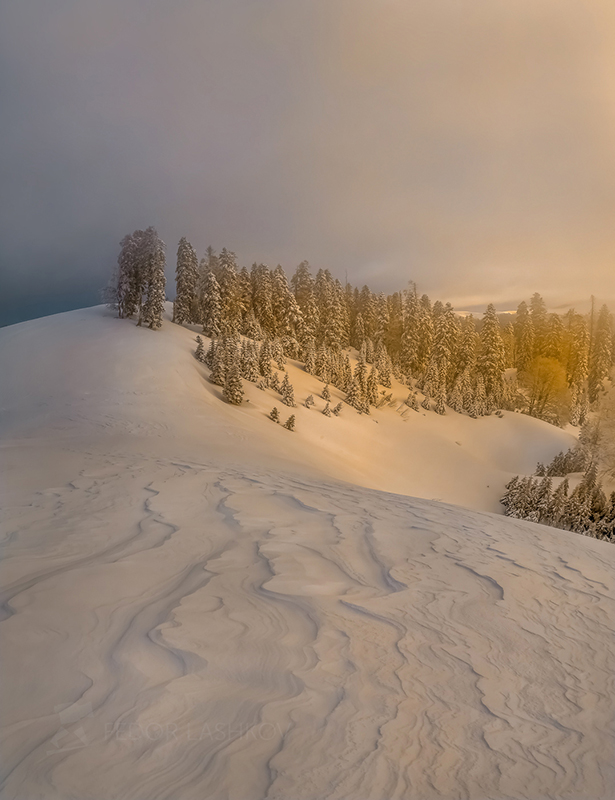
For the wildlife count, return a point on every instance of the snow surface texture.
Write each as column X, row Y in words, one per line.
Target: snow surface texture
column 188, row 612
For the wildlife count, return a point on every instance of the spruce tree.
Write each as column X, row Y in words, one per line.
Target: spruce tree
column 262, row 293
column 290, row 423
column 251, row 327
column 510, row 498
column 200, row 350
column 440, row 407
column 543, row 500
column 410, row 334
column 130, row 275
column 371, row 387
column 358, row 332
column 274, row 414
column 233, row 387
column 382, row 362
column 480, row 398
column 249, row 361
column 354, row 396
column 211, row 305
column 309, row 357
column 557, row 504
column 209, row 356
column 309, row 401
column 229, row 292
column 219, row 365
column 360, row 376
column 186, row 277
column 326, row 410
column 287, row 392
column 152, row 260
column 277, row 353
column 455, row 400
column 337, row 410
column 491, row 358
column 274, row 382
column 326, row 394
column 303, row 286
column 264, row 359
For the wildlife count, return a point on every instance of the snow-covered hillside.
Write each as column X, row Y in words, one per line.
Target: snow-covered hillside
column 86, row 373
column 198, row 603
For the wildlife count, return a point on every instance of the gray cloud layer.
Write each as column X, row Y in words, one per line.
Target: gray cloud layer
column 464, row 145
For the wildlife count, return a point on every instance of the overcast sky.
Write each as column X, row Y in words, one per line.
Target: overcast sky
column 468, row 145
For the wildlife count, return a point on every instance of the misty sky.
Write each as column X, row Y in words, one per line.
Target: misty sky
column 468, row 145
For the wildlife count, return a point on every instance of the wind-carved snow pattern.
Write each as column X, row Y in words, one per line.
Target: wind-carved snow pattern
column 248, row 635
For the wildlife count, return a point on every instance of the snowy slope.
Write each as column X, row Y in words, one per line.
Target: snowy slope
column 199, row 604
column 86, row 372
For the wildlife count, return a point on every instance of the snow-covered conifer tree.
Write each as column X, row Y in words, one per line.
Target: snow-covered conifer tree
column 200, row 350
column 369, row 351
column 186, row 277
column 274, row 414
column 480, row 397
column 358, row 332
column 303, row 286
column 326, row 411
column 209, row 355
column 309, row 357
column 345, row 375
column 491, row 357
column 326, row 394
column 251, row 327
column 219, row 365
column 439, row 398
column 287, row 391
column 455, row 400
column 229, row 292
column 557, row 504
column 262, row 294
column 249, row 361
column 211, row 306
column 360, row 375
column 290, row 423
column 233, row 387
column 264, row 359
column 410, row 333
column 277, row 353
column 354, row 396
column 153, row 261
column 371, row 387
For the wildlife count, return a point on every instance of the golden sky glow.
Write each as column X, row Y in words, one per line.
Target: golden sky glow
column 469, row 146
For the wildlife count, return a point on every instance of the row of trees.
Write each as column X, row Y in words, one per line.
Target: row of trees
column 585, row 510
column 561, row 361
